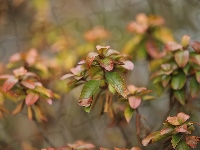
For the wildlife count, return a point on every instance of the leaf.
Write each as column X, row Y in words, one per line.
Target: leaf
column 90, row 58
column 86, row 102
column 198, row 76
column 9, row 83
column 20, row 71
column 186, row 68
column 178, row 81
column 67, row 76
column 194, row 87
column 28, row 84
column 180, row 96
column 154, row 137
column 116, row 81
column 182, row 117
column 18, row 108
column 128, row 113
column 134, row 102
column 185, row 41
column 159, row 89
column 102, row 49
column 30, row 113
column 181, row 58
column 165, row 80
column 148, row 97
column 43, row 90
column 196, row 46
column 181, row 128
column 182, row 146
column 128, row 65
column 31, row 98
column 135, row 148
column 175, row 140
column 107, row 64
column 192, row 141
column 172, row 46
column 88, row 91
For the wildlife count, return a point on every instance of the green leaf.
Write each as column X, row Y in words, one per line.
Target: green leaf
column 178, row 81
column 194, row 87
column 182, row 146
column 87, row 109
column 180, row 96
column 198, row 76
column 159, row 89
column 175, row 140
column 128, row 113
column 116, row 81
column 186, row 68
column 89, row 89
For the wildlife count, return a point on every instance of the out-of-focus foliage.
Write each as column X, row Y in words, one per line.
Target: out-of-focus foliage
column 150, row 35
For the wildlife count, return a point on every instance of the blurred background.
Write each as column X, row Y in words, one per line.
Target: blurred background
column 63, row 32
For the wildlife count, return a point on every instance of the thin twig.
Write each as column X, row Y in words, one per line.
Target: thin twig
column 42, row 133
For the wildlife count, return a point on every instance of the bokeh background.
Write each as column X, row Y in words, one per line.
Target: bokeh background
column 55, row 25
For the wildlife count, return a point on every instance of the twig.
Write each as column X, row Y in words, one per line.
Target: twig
column 128, row 142
column 137, row 125
column 42, row 133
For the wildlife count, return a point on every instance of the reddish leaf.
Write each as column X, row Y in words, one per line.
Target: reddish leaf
column 66, row 76
column 196, row 46
column 182, row 117
column 9, row 83
column 85, row 102
column 107, row 63
column 77, row 71
column 192, row 141
column 166, row 130
column 31, row 98
column 28, row 84
column 134, row 102
column 20, row 71
column 128, row 65
column 182, row 128
column 15, row 57
column 6, row 76
column 81, row 62
column 172, row 46
column 182, row 58
column 90, row 58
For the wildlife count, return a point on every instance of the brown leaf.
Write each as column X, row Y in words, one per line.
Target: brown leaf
column 107, row 64
column 28, row 84
column 192, row 141
column 30, row 113
column 18, row 108
column 9, row 83
column 31, row 98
